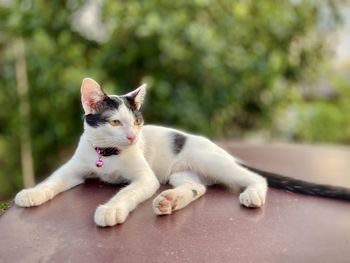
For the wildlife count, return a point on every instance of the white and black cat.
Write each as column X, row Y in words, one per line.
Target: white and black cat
column 117, row 148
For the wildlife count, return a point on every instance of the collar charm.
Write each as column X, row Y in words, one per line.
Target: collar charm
column 104, row 152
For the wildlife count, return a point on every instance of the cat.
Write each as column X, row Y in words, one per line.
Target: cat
column 117, row 148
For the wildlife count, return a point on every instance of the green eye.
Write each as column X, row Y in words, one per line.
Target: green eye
column 138, row 122
column 114, row 122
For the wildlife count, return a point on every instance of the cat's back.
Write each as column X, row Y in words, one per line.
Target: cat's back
column 173, row 142
column 163, row 137
column 149, row 131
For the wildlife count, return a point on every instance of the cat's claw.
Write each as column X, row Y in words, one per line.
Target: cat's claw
column 33, row 197
column 108, row 215
column 165, row 203
column 253, row 197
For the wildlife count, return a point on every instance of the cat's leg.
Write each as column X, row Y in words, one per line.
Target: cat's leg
column 255, row 186
column 64, row 178
column 188, row 187
column 116, row 210
column 223, row 168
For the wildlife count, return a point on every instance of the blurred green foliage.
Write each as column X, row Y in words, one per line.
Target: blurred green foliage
column 4, row 206
column 220, row 68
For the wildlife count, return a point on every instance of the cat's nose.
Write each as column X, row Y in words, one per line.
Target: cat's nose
column 131, row 138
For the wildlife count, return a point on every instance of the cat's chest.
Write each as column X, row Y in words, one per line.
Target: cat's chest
column 115, row 169
column 108, row 169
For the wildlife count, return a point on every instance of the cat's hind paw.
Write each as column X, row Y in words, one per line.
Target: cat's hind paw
column 109, row 215
column 253, row 197
column 165, row 202
column 32, row 197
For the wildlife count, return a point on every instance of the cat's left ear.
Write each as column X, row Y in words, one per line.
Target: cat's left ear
column 137, row 96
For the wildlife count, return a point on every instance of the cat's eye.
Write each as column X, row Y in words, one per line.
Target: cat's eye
column 114, row 122
column 138, row 122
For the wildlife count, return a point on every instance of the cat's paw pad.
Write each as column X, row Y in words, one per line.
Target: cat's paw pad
column 32, row 197
column 108, row 215
column 253, row 197
column 165, row 203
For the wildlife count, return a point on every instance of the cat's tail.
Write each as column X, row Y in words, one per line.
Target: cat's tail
column 300, row 186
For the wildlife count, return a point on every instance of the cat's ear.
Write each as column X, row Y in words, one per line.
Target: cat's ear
column 91, row 95
column 137, row 96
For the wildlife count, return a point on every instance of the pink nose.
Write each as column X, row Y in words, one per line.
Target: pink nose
column 131, row 138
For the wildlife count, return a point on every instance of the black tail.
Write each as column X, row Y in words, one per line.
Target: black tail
column 302, row 187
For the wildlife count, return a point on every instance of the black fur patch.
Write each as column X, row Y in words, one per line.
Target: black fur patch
column 194, row 192
column 101, row 116
column 95, row 120
column 129, row 102
column 178, row 142
column 109, row 103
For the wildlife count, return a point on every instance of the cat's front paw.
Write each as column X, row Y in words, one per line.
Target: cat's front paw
column 32, row 197
column 253, row 197
column 109, row 215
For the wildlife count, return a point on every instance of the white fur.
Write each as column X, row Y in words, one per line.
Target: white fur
column 146, row 163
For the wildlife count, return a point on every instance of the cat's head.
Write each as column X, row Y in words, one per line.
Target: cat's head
column 111, row 120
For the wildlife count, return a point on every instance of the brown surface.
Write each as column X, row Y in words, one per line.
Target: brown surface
column 290, row 228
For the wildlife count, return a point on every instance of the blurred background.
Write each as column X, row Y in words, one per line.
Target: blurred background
column 245, row 70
